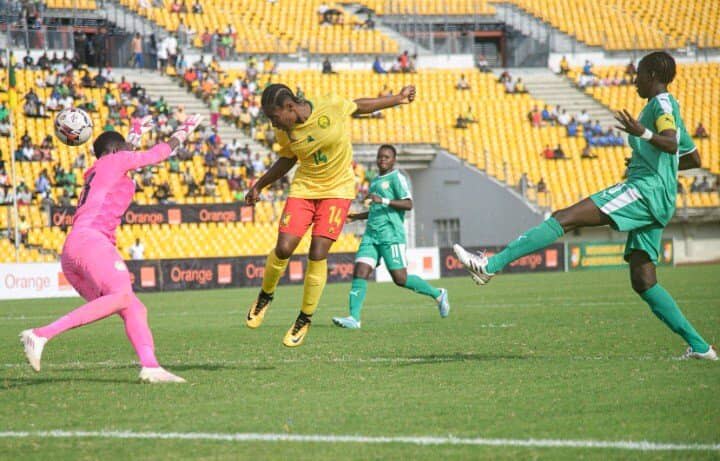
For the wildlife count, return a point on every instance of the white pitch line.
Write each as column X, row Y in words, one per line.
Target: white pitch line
column 330, row 438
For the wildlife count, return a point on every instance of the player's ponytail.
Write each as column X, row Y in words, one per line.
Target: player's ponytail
column 275, row 96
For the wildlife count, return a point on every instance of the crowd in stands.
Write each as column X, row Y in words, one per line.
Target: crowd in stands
column 512, row 88
column 588, row 78
column 405, row 63
column 593, row 133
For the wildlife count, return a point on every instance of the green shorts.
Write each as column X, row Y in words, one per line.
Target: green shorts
column 392, row 253
column 629, row 212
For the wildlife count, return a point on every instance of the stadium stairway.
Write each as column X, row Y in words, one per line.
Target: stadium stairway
column 554, row 90
column 158, row 85
column 403, row 42
column 544, row 32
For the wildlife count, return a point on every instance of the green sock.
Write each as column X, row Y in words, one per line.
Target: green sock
column 357, row 297
column 664, row 307
column 534, row 239
column 419, row 285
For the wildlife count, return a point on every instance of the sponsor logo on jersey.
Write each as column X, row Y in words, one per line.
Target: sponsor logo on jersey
column 324, row 121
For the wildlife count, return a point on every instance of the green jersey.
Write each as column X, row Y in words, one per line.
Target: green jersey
column 652, row 171
column 386, row 224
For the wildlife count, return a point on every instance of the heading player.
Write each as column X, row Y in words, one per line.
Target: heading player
column 313, row 133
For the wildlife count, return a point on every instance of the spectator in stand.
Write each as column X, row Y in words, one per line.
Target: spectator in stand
column 162, row 55
column 541, row 186
column 258, row 165
column 377, row 66
column 172, row 49
column 462, row 84
column 189, row 181
column 587, row 152
column 700, row 132
column 209, row 184
column 4, row 112
column 564, row 119
column 559, row 153
column 269, row 66
column 572, row 128
column 519, row 86
column 197, row 7
column 535, row 117
column 460, row 122
column 175, row 7
column 24, row 197
column 79, row 162
column 23, row 228
column 548, row 153
column 564, row 66
column 547, row 117
column 482, row 63
column 597, row 128
column 46, row 148
column 509, row 87
column 405, row 62
column 206, row 39
column 5, row 128
column 162, row 193
column 137, row 49
column 215, row 111
column 137, row 251
column 631, row 71
column 505, row 77
column 42, row 184
column 327, row 67
column 65, row 199
column 223, row 172
column 583, row 117
column 587, row 68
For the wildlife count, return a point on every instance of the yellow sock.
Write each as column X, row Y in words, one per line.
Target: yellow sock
column 274, row 269
column 315, row 279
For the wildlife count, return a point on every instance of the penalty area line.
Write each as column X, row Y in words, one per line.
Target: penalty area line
column 330, row 438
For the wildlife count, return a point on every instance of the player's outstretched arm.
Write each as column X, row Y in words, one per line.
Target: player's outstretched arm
column 275, row 172
column 689, row 161
column 159, row 152
column 370, row 105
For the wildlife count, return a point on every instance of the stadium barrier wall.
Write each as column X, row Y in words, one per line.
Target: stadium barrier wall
column 550, row 259
column 168, row 214
column 424, row 262
column 34, row 280
column 608, row 255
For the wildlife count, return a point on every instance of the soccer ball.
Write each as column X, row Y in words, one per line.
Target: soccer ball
column 73, row 126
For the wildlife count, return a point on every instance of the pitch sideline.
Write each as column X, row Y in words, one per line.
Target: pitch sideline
column 330, row 438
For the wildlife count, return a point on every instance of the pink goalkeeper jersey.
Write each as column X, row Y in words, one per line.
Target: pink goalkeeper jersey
column 109, row 191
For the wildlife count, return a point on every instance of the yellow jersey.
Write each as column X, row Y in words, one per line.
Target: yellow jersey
column 323, row 149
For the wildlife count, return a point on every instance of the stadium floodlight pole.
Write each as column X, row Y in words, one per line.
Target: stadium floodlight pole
column 16, row 231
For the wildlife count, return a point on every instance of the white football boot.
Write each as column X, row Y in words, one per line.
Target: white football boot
column 157, row 375
column 711, row 354
column 476, row 264
column 33, row 345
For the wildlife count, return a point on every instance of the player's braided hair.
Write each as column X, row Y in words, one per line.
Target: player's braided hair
column 275, row 96
column 390, row 147
column 106, row 142
column 661, row 65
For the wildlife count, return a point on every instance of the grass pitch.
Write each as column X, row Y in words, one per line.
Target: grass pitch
column 559, row 356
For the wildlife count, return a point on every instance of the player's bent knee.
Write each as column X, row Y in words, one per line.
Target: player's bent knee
column 283, row 251
column 400, row 280
column 641, row 281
